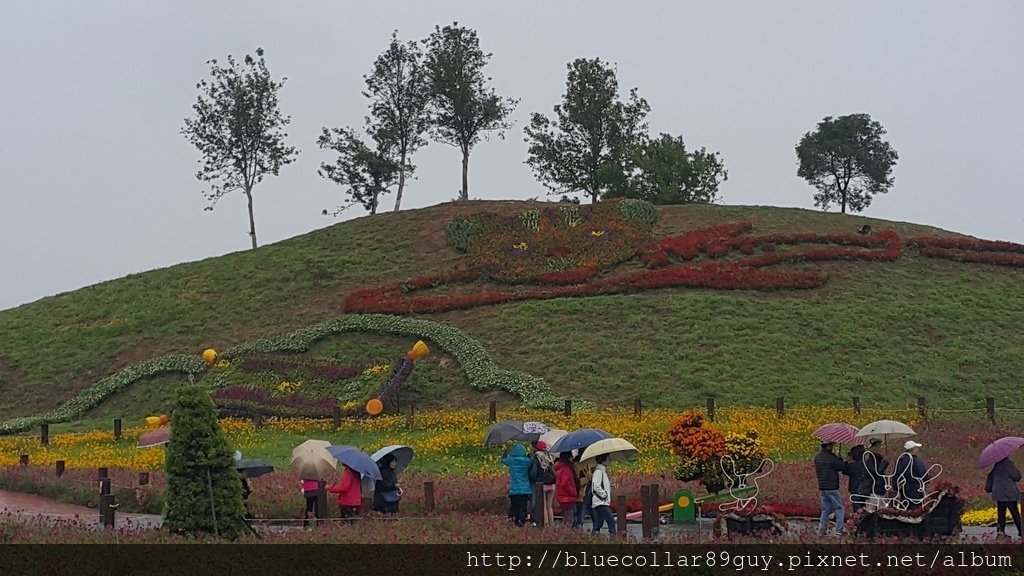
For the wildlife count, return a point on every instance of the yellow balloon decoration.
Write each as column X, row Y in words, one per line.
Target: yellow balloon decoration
column 374, row 407
column 419, row 350
column 152, row 421
column 210, row 355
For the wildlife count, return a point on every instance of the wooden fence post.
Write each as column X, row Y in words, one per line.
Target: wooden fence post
column 638, row 408
column 257, row 420
column 620, row 512
column 106, row 503
column 655, row 515
column 645, row 518
column 101, row 474
column 336, row 414
column 492, row 411
column 44, row 434
column 23, row 460
column 59, row 469
column 117, row 428
column 990, row 408
column 568, row 408
column 780, row 406
column 711, row 408
column 428, row 496
column 922, row 408
column 143, row 478
column 856, row 405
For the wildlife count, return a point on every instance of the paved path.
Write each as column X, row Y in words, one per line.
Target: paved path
column 32, row 506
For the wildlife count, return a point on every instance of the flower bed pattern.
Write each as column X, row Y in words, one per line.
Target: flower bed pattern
column 716, row 243
column 968, row 250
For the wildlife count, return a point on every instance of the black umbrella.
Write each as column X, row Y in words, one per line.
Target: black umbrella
column 253, row 468
column 514, row 430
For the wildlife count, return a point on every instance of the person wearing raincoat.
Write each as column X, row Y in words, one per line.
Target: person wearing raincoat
column 519, row 489
column 1002, row 485
column 350, row 493
column 386, row 493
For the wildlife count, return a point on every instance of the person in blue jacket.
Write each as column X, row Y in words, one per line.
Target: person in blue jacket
column 519, row 489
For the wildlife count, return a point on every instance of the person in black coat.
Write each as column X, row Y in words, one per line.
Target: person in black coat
column 876, row 466
column 827, row 467
column 1002, row 484
column 860, row 481
column 386, row 494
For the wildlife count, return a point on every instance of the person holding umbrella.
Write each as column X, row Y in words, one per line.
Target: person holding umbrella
column 860, row 481
column 387, row 494
column 1002, row 485
column 601, row 487
column 519, row 489
column 349, row 489
column 876, row 466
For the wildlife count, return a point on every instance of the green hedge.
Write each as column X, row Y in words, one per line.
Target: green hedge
column 481, row 371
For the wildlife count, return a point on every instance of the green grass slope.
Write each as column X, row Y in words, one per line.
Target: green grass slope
column 888, row 332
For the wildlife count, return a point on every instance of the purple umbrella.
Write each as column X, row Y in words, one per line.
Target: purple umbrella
column 837, row 432
column 998, row 450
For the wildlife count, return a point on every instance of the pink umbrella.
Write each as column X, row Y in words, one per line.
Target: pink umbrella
column 156, row 437
column 998, row 450
column 837, row 432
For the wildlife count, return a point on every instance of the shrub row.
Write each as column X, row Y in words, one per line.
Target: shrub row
column 480, row 369
column 997, row 253
column 92, row 396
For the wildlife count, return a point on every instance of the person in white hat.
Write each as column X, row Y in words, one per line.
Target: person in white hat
column 911, row 474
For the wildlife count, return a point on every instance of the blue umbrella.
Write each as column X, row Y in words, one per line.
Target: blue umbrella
column 403, row 454
column 578, row 440
column 356, row 459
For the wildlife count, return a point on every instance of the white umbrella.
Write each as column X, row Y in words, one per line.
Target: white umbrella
column 614, row 448
column 886, row 430
column 312, row 461
column 551, row 436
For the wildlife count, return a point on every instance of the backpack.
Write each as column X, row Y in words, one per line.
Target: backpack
column 547, row 475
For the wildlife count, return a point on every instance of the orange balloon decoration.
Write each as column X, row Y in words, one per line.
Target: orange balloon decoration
column 419, row 350
column 210, row 355
column 374, row 407
column 164, row 419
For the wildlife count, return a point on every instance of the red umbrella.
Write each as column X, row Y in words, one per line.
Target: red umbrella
column 838, row 433
column 155, row 437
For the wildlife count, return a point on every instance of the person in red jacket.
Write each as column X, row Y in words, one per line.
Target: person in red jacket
column 350, row 493
column 566, row 490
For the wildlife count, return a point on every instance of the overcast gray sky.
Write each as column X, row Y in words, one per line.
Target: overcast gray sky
column 96, row 181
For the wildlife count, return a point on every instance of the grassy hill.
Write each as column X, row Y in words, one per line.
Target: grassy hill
column 888, row 332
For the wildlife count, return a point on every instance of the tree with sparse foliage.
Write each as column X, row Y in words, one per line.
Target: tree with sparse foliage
column 239, row 129
column 399, row 87
column 586, row 149
column 847, row 160
column 204, row 492
column 666, row 173
column 367, row 173
column 463, row 108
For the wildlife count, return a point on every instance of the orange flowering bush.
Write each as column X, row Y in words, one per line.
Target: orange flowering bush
column 697, row 446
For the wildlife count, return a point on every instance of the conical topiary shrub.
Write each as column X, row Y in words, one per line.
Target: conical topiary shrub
column 204, row 493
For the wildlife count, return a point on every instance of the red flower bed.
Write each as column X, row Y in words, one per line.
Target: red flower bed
column 997, row 253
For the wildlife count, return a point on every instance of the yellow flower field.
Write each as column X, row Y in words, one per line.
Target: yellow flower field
column 451, row 440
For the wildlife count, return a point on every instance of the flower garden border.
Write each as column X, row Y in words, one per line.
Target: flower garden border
column 482, row 373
